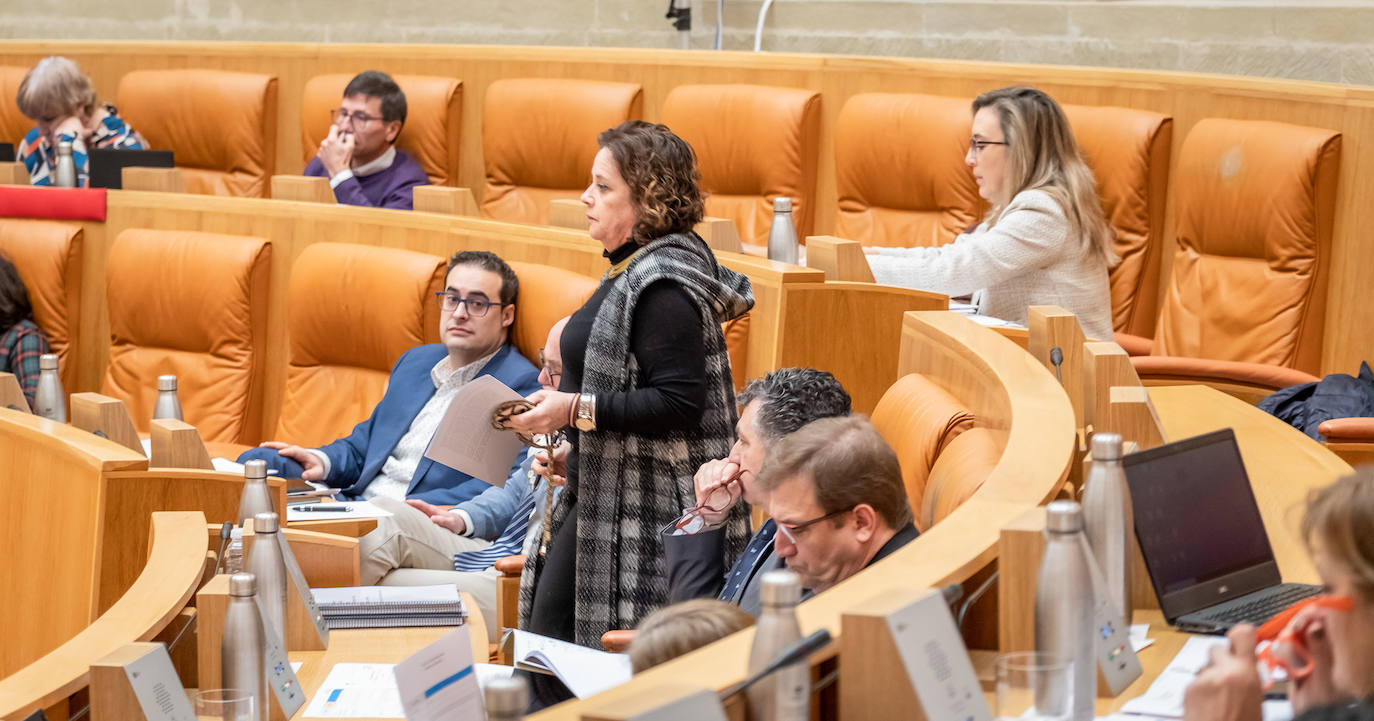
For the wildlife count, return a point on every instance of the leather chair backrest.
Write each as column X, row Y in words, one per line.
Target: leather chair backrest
column 546, row 294
column 900, row 171
column 1128, row 151
column 13, row 124
column 539, row 139
column 959, row 471
column 918, row 419
column 434, row 120
column 1254, row 208
column 737, row 347
column 754, row 143
column 222, row 126
column 47, row 255
column 192, row 304
column 351, row 311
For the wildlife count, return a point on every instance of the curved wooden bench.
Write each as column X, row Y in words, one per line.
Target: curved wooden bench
column 171, row 575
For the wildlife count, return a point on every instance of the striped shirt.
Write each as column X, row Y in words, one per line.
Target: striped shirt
column 523, row 534
column 40, row 157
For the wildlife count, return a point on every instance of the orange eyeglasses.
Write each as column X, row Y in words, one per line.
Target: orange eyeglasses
column 1283, row 654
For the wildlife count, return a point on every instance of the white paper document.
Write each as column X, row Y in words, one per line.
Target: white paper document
column 357, row 690
column 465, row 439
column 224, row 465
column 357, row 510
column 1164, row 698
column 1139, row 638
column 586, row 672
column 439, row 682
column 488, row 672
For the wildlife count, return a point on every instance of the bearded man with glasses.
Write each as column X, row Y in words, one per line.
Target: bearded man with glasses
column 359, row 156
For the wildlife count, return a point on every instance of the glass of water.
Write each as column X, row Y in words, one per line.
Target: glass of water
column 1033, row 685
column 224, row 704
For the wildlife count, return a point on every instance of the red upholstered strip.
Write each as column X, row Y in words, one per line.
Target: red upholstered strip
column 17, row 201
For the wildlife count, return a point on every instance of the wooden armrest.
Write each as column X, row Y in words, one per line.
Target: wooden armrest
column 617, row 641
column 1134, row 345
column 1347, row 430
column 510, row 565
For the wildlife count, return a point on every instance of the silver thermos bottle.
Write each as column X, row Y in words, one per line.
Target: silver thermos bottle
column 786, row 695
column 49, row 401
column 66, row 166
column 167, row 405
column 255, row 497
column 506, row 699
column 782, row 235
column 266, row 563
column 242, row 648
column 1064, row 607
column 1108, row 519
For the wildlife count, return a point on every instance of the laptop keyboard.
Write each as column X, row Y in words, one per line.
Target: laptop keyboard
column 1263, row 608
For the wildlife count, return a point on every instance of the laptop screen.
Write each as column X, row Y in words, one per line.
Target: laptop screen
column 1195, row 513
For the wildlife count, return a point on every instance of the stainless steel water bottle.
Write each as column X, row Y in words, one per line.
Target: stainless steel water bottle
column 782, row 235
column 167, row 405
column 49, row 400
column 1064, row 608
column 66, row 166
column 255, row 497
column 1108, row 520
column 785, row 695
column 506, row 699
column 242, row 649
column 266, row 564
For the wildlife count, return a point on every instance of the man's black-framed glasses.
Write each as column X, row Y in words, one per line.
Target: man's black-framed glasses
column 477, row 305
column 796, row 529
column 554, row 376
column 355, row 120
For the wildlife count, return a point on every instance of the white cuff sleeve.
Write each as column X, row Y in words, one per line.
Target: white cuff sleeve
column 324, row 460
column 343, row 175
column 467, row 520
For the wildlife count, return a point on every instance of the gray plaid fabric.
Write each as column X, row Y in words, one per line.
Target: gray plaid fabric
column 629, row 485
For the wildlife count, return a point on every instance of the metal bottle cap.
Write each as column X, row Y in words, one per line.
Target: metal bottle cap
column 266, row 523
column 782, row 205
column 47, row 362
column 1106, row 446
column 1064, row 517
column 255, row 470
column 780, row 587
column 64, row 145
column 507, row 697
column 167, row 382
column 243, row 584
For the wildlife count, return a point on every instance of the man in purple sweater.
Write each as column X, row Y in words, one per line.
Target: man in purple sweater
column 359, row 157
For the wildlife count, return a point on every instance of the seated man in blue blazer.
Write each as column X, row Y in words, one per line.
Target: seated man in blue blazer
column 384, row 456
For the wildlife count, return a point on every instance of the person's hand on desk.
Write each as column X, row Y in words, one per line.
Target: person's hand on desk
column 555, row 472
column 552, row 410
column 439, row 515
column 1229, row 688
column 313, row 469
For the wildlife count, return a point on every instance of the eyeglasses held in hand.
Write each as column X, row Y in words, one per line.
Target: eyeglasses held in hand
column 718, row 499
column 477, row 305
column 355, row 120
column 1283, row 655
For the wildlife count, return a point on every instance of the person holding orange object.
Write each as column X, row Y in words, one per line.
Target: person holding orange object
column 1326, row 647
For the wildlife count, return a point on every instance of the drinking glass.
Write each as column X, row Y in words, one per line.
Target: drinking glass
column 1033, row 685
column 224, row 704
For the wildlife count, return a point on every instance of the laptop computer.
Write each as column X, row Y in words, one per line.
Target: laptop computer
column 1202, row 535
column 107, row 165
column 6, row 152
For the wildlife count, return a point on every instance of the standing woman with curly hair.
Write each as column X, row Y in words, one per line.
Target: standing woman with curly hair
column 646, row 388
column 1045, row 240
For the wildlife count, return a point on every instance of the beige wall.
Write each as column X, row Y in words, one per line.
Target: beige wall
column 1328, row 40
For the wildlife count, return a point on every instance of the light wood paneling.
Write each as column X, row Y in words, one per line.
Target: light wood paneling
column 11, row 395
column 13, row 173
column 177, row 444
column 442, row 199
column 1105, row 364
column 303, row 188
column 105, row 417
column 158, row 180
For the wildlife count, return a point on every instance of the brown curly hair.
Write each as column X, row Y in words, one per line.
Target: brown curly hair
column 661, row 171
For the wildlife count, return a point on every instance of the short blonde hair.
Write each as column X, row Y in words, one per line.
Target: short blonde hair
column 1341, row 515
column 674, row 630
column 55, row 88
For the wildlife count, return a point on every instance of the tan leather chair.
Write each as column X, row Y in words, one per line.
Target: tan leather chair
column 1246, row 301
column 754, row 143
column 382, row 301
column 192, row 304
column 546, row 294
column 434, row 120
column 539, row 139
column 900, row 171
column 48, row 257
column 1128, row 151
column 918, row 419
column 13, row 124
column 222, row 126
column 958, row 472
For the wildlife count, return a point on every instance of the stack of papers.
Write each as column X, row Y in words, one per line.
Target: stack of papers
column 585, row 671
column 390, row 606
column 1164, row 699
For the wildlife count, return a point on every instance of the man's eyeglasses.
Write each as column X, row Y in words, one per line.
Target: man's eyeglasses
column 554, row 375
column 355, row 120
column 791, row 532
column 976, row 146
column 477, row 305
column 717, row 499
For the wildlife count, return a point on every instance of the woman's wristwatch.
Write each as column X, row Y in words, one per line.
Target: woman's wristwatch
column 584, row 412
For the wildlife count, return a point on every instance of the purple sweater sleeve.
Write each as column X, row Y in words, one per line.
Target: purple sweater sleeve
column 392, row 188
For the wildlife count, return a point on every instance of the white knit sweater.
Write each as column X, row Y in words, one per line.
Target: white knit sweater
column 1026, row 259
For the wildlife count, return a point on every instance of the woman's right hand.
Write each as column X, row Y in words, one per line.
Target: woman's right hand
column 556, row 471
column 70, row 125
column 1229, row 688
column 551, row 411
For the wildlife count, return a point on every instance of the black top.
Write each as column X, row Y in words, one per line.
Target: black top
column 1352, row 711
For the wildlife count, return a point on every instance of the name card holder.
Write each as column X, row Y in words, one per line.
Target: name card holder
column 306, row 629
column 720, row 234
column 661, row 703
column 446, row 200
column 1105, row 364
column 137, row 681
column 839, row 258
column 158, row 180
column 106, row 417
column 568, row 213
column 176, row 444
column 11, row 395
column 1131, row 413
column 14, row 173
column 303, row 188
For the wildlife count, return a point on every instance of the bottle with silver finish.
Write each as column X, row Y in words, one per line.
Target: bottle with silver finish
column 506, row 699
column 49, row 400
column 266, row 563
column 782, row 235
column 785, row 695
column 242, row 649
column 167, row 405
column 1108, row 520
column 66, row 166
column 255, row 497
column 1064, row 608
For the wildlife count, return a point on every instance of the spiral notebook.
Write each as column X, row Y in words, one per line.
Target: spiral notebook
column 390, row 606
